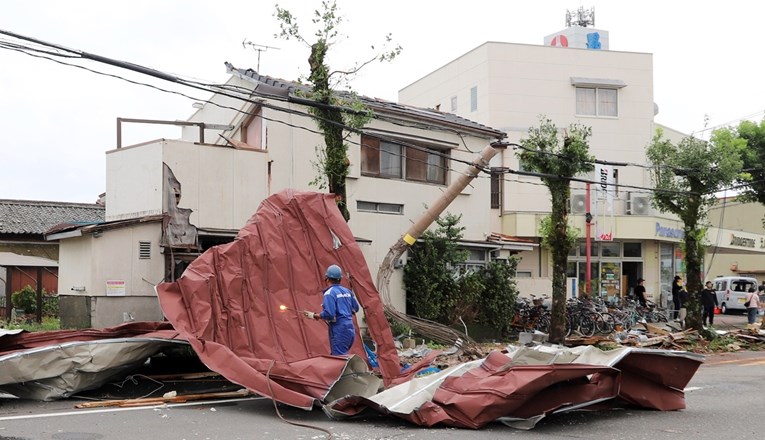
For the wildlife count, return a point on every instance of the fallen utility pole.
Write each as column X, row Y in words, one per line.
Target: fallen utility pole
column 437, row 332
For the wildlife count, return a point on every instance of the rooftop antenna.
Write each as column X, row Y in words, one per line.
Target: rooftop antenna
column 258, row 48
column 580, row 17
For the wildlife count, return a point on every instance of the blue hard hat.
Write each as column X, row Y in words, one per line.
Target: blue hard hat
column 334, row 272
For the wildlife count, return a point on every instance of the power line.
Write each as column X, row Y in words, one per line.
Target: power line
column 235, row 92
column 230, row 91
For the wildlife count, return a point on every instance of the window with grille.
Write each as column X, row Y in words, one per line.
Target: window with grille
column 385, row 208
column 496, row 188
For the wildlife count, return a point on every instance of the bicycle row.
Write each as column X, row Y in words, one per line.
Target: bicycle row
column 584, row 316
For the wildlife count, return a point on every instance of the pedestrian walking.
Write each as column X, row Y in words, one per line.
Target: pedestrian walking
column 338, row 306
column 708, row 298
column 640, row 292
column 752, row 305
column 683, row 302
column 677, row 287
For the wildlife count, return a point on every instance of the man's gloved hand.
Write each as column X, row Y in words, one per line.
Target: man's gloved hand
column 309, row 315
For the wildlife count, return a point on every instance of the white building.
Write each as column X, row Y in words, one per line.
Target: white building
column 509, row 86
column 168, row 200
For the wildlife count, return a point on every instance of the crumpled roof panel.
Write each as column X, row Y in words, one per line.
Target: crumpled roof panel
column 228, row 301
column 227, row 305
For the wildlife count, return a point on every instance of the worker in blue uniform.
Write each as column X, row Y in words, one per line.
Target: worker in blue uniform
column 338, row 306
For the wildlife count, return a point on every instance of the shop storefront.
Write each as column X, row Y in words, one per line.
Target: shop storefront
column 615, row 266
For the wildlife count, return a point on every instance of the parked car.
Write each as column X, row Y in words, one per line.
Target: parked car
column 732, row 291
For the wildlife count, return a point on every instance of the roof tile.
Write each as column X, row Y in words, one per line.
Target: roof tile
column 36, row 217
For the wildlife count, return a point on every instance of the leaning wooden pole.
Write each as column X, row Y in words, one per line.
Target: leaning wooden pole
column 437, row 332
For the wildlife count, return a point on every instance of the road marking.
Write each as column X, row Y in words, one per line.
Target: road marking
column 745, row 362
column 692, row 389
column 117, row 409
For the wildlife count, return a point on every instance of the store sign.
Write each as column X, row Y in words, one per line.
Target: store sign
column 665, row 231
column 735, row 240
column 604, row 202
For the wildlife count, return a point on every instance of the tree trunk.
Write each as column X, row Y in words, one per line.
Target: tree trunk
column 693, row 262
column 335, row 163
column 559, row 249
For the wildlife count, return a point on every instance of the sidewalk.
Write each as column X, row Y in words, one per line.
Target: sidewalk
column 736, row 321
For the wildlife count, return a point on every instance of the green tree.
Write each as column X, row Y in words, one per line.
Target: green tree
column 333, row 111
column 686, row 176
column 543, row 152
column 749, row 138
column 431, row 283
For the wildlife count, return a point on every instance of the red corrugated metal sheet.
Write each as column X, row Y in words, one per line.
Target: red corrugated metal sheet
column 227, row 303
column 28, row 340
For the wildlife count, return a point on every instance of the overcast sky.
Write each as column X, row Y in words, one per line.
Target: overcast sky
column 56, row 121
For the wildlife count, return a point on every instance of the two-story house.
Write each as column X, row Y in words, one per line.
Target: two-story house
column 168, row 200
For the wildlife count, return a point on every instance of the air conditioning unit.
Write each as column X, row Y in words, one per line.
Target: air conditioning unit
column 499, row 254
column 639, row 205
column 578, row 204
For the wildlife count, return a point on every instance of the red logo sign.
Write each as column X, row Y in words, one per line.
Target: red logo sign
column 559, row 40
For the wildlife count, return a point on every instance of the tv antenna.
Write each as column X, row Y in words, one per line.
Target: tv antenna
column 258, row 48
column 580, row 17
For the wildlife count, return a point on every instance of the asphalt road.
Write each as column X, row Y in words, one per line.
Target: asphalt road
column 720, row 400
column 724, row 400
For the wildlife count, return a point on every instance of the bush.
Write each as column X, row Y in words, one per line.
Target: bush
column 442, row 288
column 431, row 280
column 25, row 299
column 497, row 301
column 50, row 305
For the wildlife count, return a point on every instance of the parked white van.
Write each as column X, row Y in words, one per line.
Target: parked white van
column 732, row 291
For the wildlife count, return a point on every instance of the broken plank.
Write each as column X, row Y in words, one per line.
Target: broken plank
column 655, row 329
column 186, row 376
column 160, row 400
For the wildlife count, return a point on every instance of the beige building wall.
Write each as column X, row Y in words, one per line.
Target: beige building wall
column 514, row 85
column 220, row 184
column 738, row 247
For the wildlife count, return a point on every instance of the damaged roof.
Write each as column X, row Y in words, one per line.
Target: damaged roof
column 275, row 86
column 228, row 303
column 66, row 230
column 36, row 217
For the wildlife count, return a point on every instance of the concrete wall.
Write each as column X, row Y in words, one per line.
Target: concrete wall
column 76, row 267
column 91, row 267
column 134, row 181
column 220, row 184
